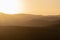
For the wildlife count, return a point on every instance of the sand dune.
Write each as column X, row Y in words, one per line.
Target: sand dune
column 29, row 27
column 28, row 20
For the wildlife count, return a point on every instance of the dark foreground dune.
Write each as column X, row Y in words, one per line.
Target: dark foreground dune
column 29, row 33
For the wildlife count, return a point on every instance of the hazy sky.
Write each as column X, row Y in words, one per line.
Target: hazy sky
column 49, row 6
column 30, row 6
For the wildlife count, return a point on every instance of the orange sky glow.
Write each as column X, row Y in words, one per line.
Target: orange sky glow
column 30, row 6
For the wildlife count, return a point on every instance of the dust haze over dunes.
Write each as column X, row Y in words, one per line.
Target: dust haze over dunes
column 27, row 20
column 29, row 27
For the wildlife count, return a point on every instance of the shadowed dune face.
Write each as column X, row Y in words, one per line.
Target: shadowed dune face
column 29, row 33
column 29, row 27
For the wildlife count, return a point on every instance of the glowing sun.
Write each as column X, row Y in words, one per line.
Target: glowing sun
column 9, row 6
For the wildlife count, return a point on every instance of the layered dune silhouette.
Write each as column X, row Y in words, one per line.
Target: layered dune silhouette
column 28, row 20
column 29, row 27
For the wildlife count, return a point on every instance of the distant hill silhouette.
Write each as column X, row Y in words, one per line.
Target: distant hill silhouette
column 28, row 20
